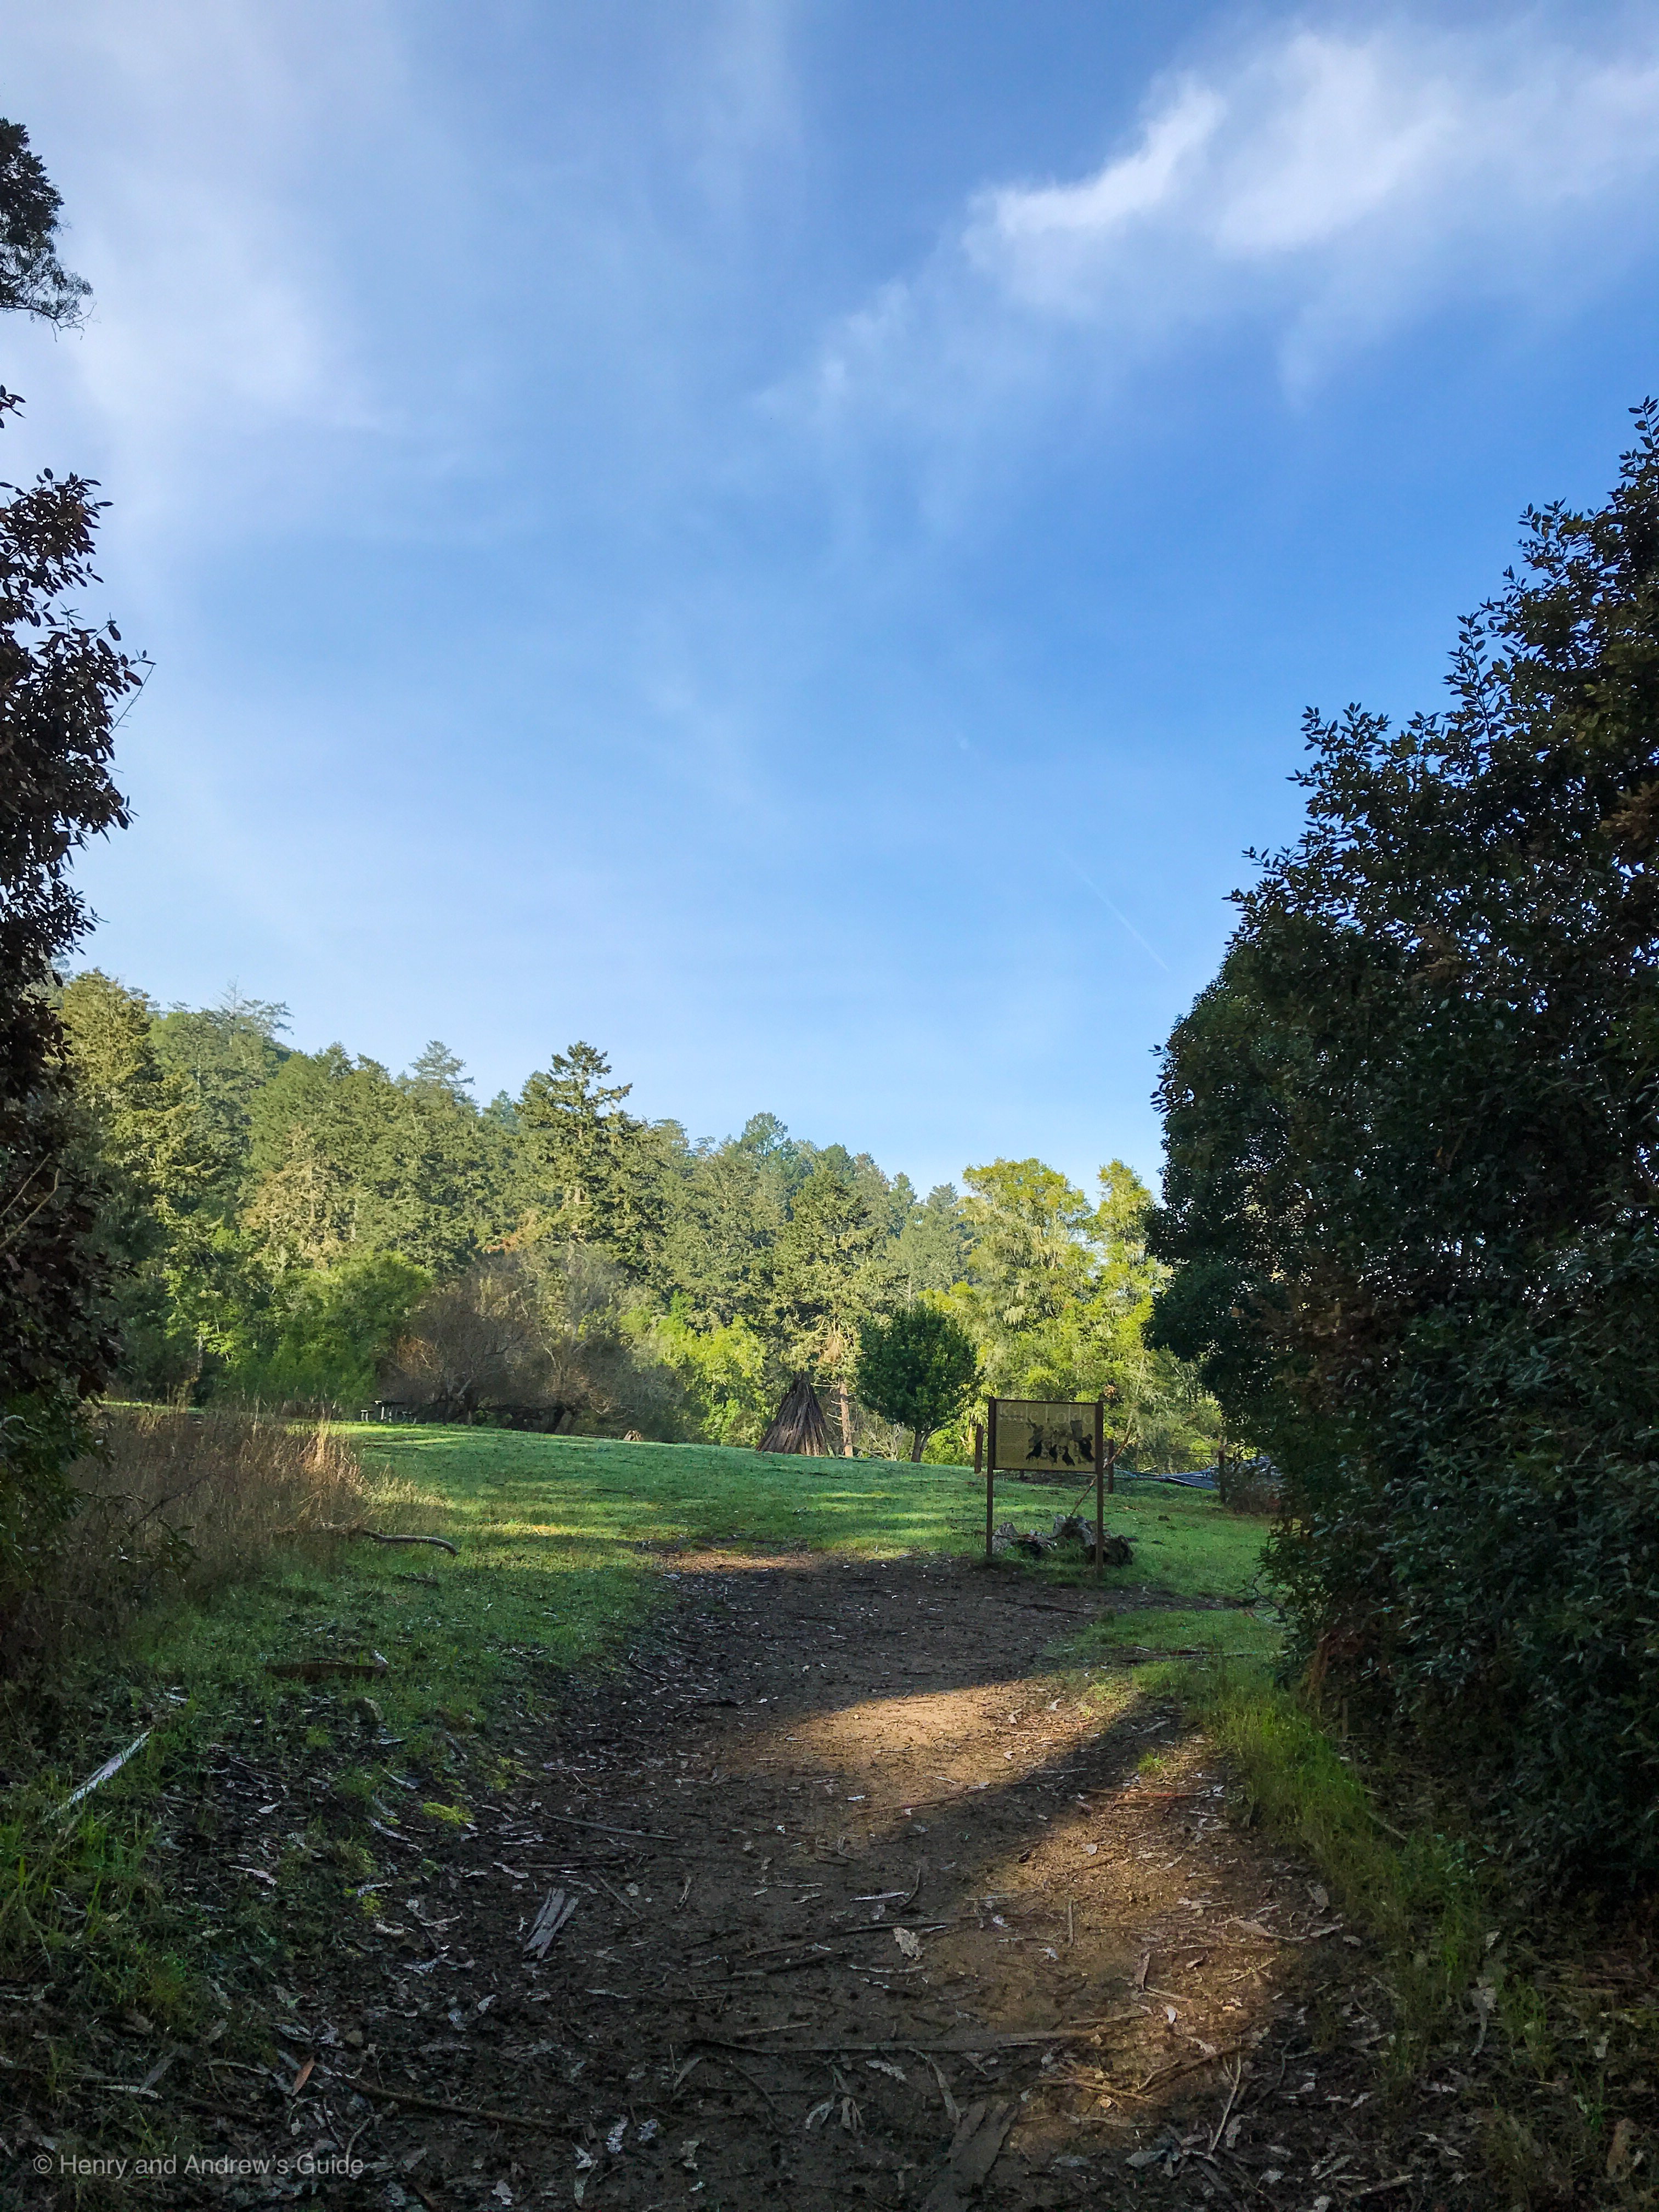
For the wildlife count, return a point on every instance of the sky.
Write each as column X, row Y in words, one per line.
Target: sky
column 792, row 540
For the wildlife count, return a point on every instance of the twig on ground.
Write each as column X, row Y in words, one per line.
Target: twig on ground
column 438, row 1543
column 961, row 2046
column 726, row 2059
column 1188, row 2066
column 1284, row 2062
column 1236, row 2076
column 375, row 1536
column 318, row 1670
column 1101, row 2087
column 952, row 2110
column 477, row 2117
column 650, row 1835
column 110, row 1767
column 852, row 1936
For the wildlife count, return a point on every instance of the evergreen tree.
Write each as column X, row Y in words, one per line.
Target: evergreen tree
column 830, row 1272
column 226, row 1054
column 591, row 1173
column 156, row 1225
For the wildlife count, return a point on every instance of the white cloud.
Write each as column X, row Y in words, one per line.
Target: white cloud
column 1324, row 186
column 203, row 156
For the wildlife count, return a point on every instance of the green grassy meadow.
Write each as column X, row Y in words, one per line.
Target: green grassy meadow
column 560, row 1557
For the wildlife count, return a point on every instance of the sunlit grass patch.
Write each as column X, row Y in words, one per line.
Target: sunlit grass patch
column 1229, row 1633
column 602, row 1499
column 1418, row 1896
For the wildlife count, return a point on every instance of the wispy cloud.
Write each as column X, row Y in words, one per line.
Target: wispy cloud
column 1323, row 186
column 334, row 243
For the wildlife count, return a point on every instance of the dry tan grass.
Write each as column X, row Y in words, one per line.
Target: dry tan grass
column 177, row 1502
column 228, row 1484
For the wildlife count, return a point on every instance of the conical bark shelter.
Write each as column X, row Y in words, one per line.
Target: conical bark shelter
column 799, row 1425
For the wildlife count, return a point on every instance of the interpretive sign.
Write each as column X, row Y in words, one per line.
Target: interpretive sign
column 1039, row 1436
column 1044, row 1439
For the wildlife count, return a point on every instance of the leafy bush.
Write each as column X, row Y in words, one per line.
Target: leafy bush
column 1413, row 1166
column 540, row 1333
column 320, row 1343
column 918, row 1368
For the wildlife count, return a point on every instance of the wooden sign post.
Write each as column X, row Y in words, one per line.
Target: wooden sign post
column 1045, row 1439
column 979, row 1458
column 1100, row 1489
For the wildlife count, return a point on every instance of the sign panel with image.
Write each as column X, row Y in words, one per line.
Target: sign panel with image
column 1043, row 1436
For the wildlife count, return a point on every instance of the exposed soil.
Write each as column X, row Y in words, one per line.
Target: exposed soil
column 856, row 1879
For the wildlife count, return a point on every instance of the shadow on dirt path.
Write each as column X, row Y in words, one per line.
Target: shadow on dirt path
column 848, row 1895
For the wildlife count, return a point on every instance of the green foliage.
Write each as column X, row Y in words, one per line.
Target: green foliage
column 829, row 1271
column 918, row 1367
column 157, row 1224
column 1418, row 1896
column 724, row 1369
column 930, row 1252
column 251, row 1186
column 1410, row 1192
column 226, row 1054
column 344, row 1157
column 33, row 280
column 322, row 1340
column 1056, row 1299
column 62, row 681
column 589, row 1169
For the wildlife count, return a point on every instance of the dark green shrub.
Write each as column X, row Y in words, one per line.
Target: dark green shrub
column 1414, row 1157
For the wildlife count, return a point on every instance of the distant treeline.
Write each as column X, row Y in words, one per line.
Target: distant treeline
column 308, row 1229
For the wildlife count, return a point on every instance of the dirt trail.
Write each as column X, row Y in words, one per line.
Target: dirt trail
column 856, row 1880
column 892, row 1886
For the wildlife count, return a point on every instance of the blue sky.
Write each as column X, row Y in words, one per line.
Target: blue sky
column 792, row 540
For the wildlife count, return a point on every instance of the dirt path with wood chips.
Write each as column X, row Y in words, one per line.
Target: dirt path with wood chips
column 844, row 1897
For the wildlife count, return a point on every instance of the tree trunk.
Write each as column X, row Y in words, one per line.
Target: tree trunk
column 846, row 1424
column 916, row 1449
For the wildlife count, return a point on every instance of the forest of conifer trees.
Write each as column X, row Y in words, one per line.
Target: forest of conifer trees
column 312, row 1231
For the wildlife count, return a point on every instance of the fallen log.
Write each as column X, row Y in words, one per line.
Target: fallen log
column 319, row 1670
column 375, row 1536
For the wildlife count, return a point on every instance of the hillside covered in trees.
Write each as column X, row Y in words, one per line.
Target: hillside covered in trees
column 308, row 1229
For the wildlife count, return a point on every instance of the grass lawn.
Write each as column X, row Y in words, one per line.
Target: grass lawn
column 551, row 1566
column 569, row 1501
